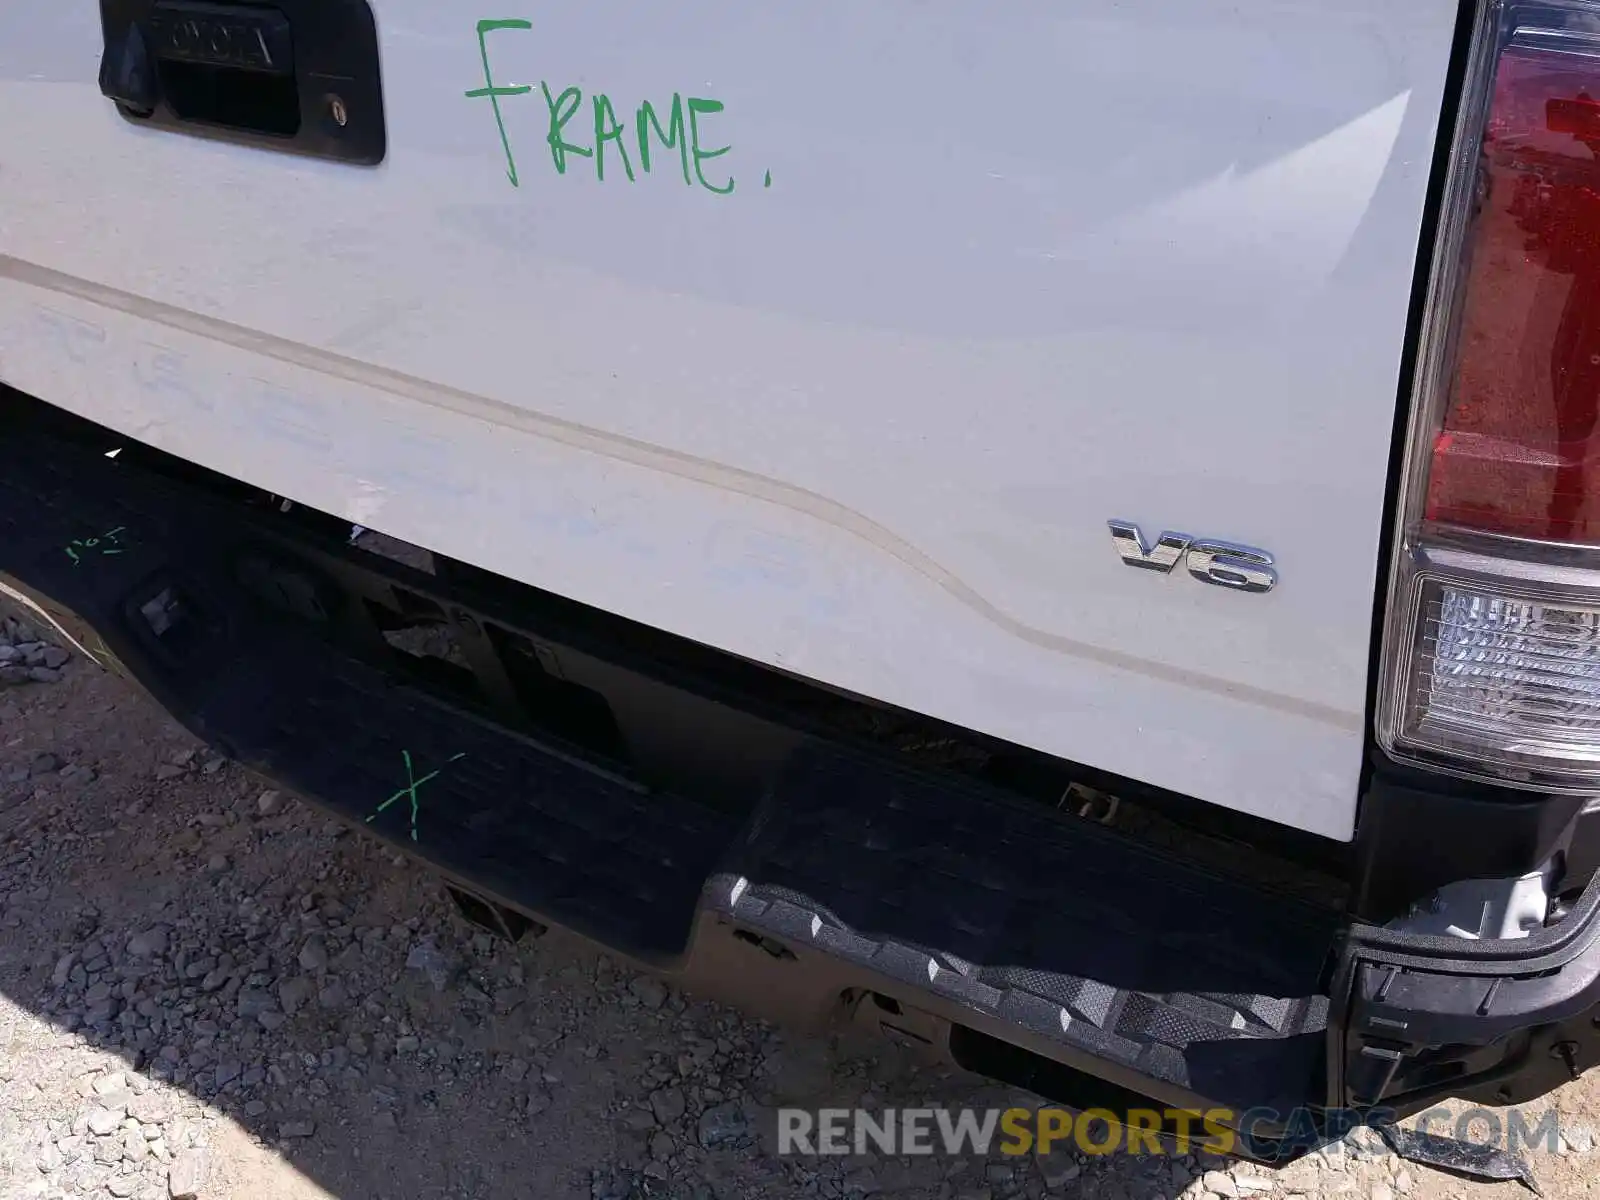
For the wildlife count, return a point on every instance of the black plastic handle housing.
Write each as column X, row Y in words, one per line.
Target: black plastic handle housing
column 298, row 75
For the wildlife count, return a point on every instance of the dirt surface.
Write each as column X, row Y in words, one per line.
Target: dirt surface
column 207, row 989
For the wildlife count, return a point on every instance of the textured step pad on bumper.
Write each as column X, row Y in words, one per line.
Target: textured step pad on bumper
column 1062, row 927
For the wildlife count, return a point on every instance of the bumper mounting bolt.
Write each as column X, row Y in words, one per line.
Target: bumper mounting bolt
column 1567, row 1052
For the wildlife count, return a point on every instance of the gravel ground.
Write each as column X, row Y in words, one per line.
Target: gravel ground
column 209, row 990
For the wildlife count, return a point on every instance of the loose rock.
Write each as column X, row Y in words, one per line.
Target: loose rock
column 252, row 1002
column 314, row 955
column 1059, row 1169
column 104, row 1121
column 293, row 994
column 152, row 1108
column 427, row 958
column 649, row 990
column 722, row 1125
column 333, row 996
column 188, row 1174
column 668, row 1104
column 50, row 1159
column 151, row 942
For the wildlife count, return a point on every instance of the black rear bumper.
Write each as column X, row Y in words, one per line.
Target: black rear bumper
column 1497, row 1022
column 1042, row 949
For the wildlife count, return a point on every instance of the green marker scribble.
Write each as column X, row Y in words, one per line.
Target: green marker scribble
column 671, row 137
column 109, row 542
column 494, row 92
column 608, row 129
column 649, row 132
column 412, row 784
column 562, row 108
column 697, row 109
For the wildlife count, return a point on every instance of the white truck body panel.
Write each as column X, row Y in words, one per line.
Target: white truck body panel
column 1019, row 270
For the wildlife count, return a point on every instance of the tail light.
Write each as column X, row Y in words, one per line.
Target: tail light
column 1491, row 663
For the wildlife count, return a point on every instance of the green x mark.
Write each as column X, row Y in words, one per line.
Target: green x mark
column 412, row 784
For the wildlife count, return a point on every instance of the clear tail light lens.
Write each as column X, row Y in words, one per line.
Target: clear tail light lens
column 1502, row 675
column 1492, row 648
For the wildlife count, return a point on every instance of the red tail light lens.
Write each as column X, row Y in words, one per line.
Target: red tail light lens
column 1519, row 450
column 1491, row 663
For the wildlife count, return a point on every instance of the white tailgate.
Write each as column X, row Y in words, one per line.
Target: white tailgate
column 1020, row 268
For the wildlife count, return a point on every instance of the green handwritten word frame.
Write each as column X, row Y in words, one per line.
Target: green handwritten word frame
column 684, row 130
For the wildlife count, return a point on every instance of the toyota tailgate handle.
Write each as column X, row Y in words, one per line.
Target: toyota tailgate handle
column 221, row 64
column 298, row 74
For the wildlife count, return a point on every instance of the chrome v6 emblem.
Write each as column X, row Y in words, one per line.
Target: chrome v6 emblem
column 1225, row 564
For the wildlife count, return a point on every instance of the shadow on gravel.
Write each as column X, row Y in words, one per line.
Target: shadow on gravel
column 208, row 989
